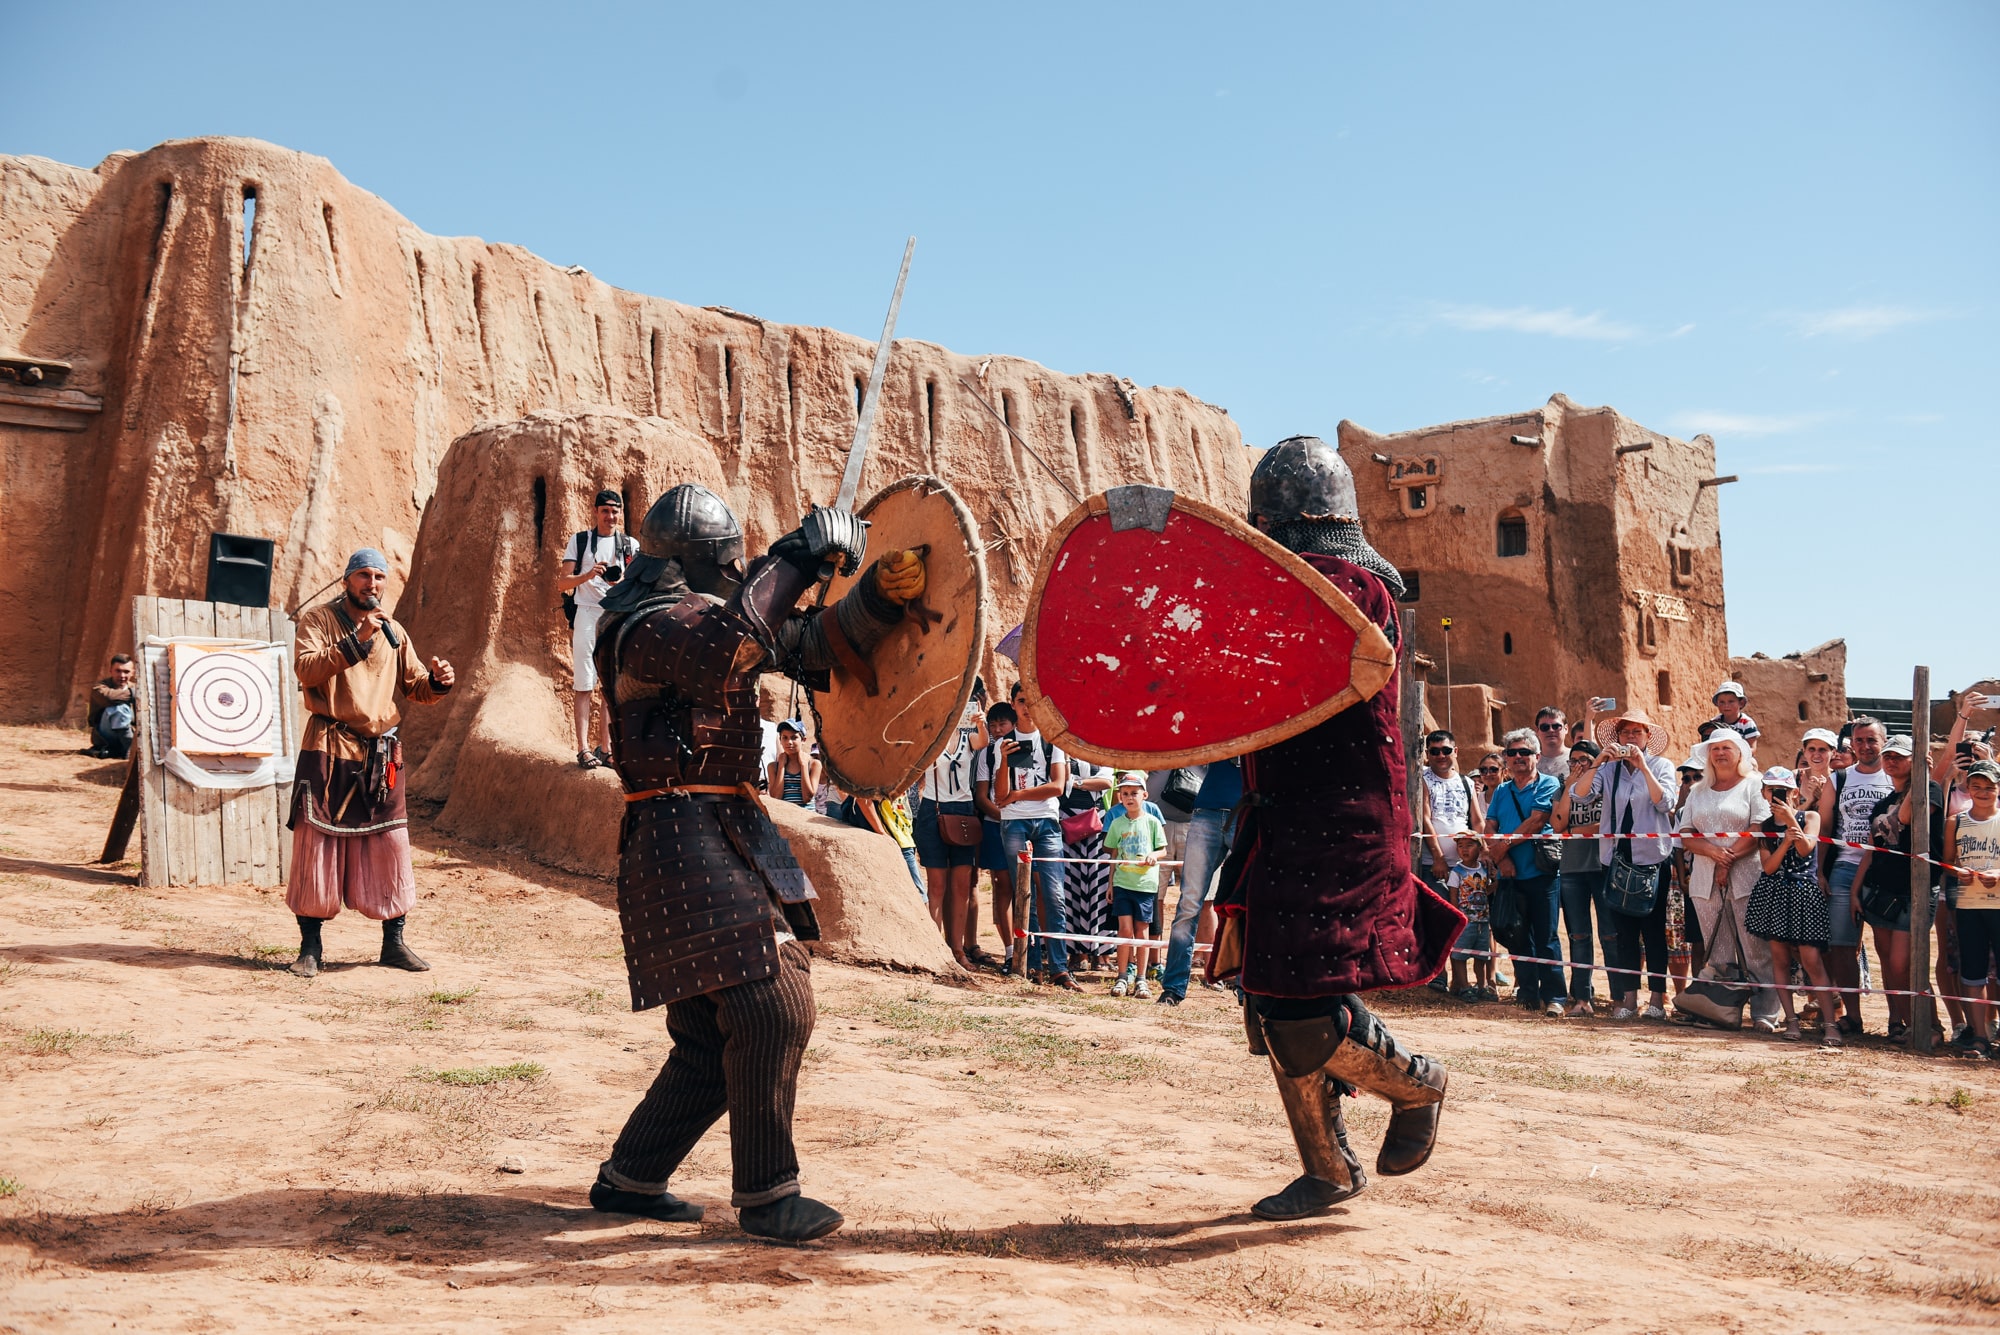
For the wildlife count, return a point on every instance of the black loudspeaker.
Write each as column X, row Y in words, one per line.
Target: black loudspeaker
column 239, row 569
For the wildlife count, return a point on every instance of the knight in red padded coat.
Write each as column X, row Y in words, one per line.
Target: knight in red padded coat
column 1319, row 874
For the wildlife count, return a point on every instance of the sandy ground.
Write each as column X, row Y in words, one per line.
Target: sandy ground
column 195, row 1140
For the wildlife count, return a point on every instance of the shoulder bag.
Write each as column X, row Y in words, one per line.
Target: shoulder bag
column 1628, row 888
column 1548, row 852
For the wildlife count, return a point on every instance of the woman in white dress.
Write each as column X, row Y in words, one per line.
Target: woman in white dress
column 1717, row 828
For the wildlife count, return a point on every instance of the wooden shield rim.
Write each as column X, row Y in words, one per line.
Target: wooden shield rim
column 1374, row 660
column 968, row 524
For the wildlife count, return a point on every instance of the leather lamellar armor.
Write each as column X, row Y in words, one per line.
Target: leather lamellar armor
column 705, row 881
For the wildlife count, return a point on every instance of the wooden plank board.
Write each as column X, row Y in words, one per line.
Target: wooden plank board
column 285, row 629
column 233, row 808
column 153, row 851
column 261, row 805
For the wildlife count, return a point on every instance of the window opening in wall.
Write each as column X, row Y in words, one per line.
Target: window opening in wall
column 860, row 394
column 423, row 299
column 249, row 233
column 1802, row 711
column 1412, row 586
column 1076, row 440
column 541, row 509
column 931, row 420
column 479, row 314
column 332, row 246
column 1649, row 632
column 159, row 237
column 792, row 393
column 1666, row 688
column 1513, row 534
column 1507, row 642
column 1499, row 727
column 657, row 342
column 728, row 377
column 1420, row 497
column 1007, row 416
column 604, row 363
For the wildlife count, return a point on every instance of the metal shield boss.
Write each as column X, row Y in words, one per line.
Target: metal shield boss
column 877, row 739
column 1162, row 631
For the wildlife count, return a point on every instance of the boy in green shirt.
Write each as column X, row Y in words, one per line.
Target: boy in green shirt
column 1138, row 839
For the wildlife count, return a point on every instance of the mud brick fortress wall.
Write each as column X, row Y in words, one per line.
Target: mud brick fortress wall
column 257, row 346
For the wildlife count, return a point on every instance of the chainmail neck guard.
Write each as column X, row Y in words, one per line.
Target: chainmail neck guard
column 1336, row 537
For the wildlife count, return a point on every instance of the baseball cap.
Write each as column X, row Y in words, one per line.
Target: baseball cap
column 1733, row 687
column 792, row 725
column 1899, row 745
column 1820, row 735
column 1984, row 769
column 1697, row 761
column 1779, row 777
column 609, row 497
column 1131, row 778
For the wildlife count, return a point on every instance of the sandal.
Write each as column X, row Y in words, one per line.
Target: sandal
column 1831, row 1039
column 1898, row 1032
column 1792, row 1031
column 1848, row 1024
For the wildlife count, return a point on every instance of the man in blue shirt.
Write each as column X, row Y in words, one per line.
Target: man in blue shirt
column 1208, row 840
column 1520, row 810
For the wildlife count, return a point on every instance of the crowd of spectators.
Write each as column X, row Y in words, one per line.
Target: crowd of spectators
column 1743, row 885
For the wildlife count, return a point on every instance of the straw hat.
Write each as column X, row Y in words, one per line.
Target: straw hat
column 1656, row 736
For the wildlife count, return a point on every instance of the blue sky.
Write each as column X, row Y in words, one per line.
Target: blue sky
column 1776, row 223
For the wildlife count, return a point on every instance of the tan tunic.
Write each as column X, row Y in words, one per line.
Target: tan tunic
column 357, row 684
column 346, row 783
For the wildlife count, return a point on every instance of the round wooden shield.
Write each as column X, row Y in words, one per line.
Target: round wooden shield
column 877, row 744
column 1162, row 631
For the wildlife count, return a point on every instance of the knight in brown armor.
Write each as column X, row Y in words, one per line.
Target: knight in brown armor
column 713, row 905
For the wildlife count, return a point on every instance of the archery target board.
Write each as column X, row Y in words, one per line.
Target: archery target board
column 225, row 701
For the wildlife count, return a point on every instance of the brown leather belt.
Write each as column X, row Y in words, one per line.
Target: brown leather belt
column 720, row 789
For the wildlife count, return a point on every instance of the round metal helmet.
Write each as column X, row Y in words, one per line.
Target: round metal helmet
column 691, row 525
column 1301, row 477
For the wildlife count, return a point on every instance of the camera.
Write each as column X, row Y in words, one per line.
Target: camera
column 612, row 573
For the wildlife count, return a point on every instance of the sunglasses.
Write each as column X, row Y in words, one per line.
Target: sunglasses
column 1548, row 727
column 1440, row 750
column 1489, row 769
column 1517, row 751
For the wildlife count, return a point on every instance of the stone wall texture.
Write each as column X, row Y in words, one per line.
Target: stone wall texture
column 279, row 353
column 1791, row 694
column 1611, row 581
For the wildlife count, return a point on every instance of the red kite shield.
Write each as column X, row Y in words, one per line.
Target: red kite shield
column 1163, row 631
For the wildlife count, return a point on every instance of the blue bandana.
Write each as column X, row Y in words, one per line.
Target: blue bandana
column 367, row 559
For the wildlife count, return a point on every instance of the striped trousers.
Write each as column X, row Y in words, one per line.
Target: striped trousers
column 736, row 1049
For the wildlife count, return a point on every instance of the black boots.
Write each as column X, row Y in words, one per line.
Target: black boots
column 789, row 1219
column 665, row 1207
column 1333, row 1174
column 308, row 962
column 396, row 955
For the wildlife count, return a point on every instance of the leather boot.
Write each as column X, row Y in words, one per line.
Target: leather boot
column 789, row 1219
column 395, row 954
column 1370, row 1058
column 310, row 956
column 1333, row 1173
column 665, row 1207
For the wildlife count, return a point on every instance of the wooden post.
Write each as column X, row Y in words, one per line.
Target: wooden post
column 1923, row 1010
column 127, row 815
column 1410, row 709
column 1024, row 883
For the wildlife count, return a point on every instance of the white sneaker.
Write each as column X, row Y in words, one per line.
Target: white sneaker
column 1555, row 1008
column 1140, row 990
column 1121, row 987
column 1763, row 1026
column 1652, row 1012
column 1623, row 1013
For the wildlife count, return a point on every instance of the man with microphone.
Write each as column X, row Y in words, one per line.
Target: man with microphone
column 350, row 846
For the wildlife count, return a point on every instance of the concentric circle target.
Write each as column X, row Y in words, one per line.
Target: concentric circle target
column 222, row 703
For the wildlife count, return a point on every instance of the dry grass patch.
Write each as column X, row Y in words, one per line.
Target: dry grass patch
column 1089, row 1171
column 67, row 1042
column 1796, row 1268
column 1276, row 1287
column 1535, row 1218
column 1924, row 1203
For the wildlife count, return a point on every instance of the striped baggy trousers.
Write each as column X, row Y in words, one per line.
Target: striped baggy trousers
column 736, row 1049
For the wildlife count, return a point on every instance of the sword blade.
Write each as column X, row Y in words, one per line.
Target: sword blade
column 857, row 453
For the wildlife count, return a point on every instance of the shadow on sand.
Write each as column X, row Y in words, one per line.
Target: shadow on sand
column 528, row 1236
